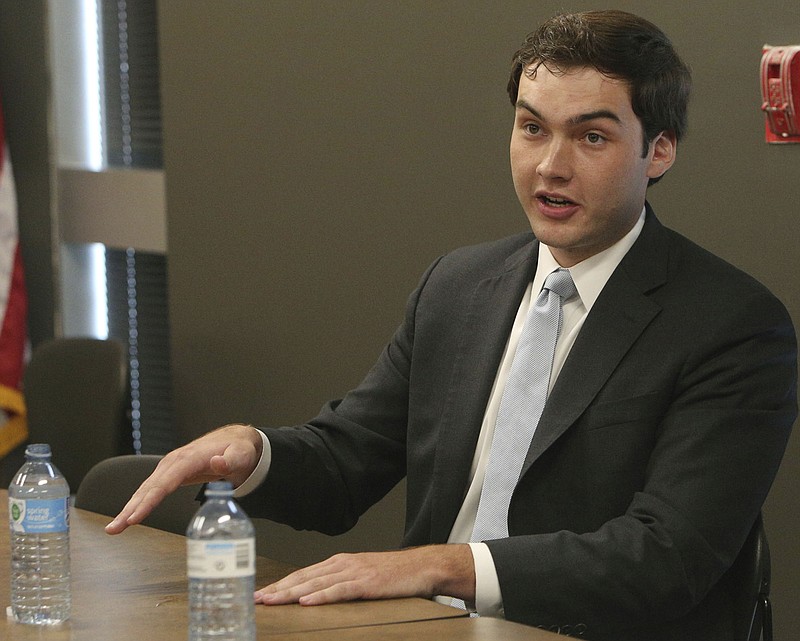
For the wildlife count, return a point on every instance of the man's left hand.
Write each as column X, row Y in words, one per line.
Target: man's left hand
column 415, row 572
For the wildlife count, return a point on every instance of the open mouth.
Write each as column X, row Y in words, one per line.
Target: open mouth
column 556, row 202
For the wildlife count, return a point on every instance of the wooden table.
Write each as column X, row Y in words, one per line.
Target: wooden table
column 459, row 629
column 133, row 587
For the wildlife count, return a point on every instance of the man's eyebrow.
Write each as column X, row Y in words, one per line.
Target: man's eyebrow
column 521, row 104
column 575, row 120
column 596, row 115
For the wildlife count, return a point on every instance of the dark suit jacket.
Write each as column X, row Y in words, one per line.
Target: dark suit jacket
column 655, row 452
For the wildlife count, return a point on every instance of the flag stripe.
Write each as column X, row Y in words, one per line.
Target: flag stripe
column 13, row 311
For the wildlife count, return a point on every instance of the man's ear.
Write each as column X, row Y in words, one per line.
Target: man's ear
column 662, row 154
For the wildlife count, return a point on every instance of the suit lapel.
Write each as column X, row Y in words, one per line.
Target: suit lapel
column 618, row 317
column 620, row 314
column 483, row 338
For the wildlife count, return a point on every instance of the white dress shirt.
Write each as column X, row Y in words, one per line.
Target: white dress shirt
column 589, row 276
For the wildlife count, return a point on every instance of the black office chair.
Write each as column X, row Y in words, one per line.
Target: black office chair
column 750, row 579
column 78, row 399
column 107, row 487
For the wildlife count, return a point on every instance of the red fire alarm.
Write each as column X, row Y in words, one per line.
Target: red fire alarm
column 780, row 92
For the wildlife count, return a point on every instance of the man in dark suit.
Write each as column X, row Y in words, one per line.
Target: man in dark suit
column 672, row 388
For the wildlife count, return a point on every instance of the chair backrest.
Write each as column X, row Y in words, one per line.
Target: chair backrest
column 78, row 400
column 750, row 577
column 107, row 487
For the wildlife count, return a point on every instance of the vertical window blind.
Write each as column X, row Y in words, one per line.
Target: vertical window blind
column 137, row 281
column 129, row 68
column 138, row 317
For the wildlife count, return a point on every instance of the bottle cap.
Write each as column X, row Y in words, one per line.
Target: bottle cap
column 219, row 488
column 38, row 450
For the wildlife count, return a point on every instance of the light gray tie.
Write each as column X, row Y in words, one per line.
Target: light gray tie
column 521, row 405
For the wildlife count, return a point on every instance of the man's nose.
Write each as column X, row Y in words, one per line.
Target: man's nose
column 556, row 163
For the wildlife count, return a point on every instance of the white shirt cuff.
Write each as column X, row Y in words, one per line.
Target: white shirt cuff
column 258, row 475
column 488, row 598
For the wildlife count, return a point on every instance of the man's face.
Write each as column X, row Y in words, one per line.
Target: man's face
column 576, row 160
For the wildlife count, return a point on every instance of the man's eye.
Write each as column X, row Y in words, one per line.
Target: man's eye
column 531, row 128
column 594, row 138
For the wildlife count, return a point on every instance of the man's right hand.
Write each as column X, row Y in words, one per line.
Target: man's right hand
column 230, row 453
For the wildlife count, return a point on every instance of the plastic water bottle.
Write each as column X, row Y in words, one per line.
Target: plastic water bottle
column 221, row 567
column 38, row 510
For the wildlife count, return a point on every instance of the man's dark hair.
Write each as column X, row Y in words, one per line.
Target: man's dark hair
column 619, row 45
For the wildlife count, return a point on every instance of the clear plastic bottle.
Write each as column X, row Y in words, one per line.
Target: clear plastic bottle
column 220, row 544
column 38, row 510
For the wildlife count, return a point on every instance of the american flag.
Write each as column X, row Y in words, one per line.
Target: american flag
column 13, row 310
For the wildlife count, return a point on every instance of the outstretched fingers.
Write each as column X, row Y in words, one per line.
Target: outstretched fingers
column 231, row 452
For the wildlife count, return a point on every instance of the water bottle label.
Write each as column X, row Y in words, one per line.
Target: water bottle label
column 225, row 559
column 38, row 516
